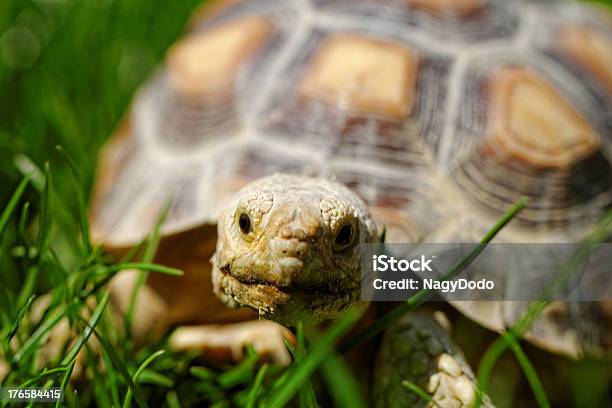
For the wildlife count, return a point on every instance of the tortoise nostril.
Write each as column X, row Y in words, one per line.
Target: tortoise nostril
column 290, row 248
column 286, row 233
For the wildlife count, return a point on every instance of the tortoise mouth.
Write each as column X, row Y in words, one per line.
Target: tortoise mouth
column 285, row 305
column 251, row 293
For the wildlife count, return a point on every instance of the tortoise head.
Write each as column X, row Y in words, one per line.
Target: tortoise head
column 290, row 247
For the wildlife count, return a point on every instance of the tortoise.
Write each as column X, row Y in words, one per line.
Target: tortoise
column 427, row 117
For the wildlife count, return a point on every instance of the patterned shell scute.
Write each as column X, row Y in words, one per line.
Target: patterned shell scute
column 522, row 131
column 439, row 113
column 210, row 80
column 457, row 21
column 360, row 93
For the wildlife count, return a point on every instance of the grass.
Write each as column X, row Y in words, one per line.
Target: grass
column 68, row 70
column 420, row 392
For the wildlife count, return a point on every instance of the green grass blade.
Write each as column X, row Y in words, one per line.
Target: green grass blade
column 83, row 221
column 29, row 285
column 306, row 395
column 418, row 298
column 133, row 251
column 299, row 373
column 99, row 391
column 120, row 365
column 341, row 384
column 172, row 400
column 44, row 374
column 128, row 396
column 12, row 204
column 15, row 326
column 257, row 386
column 23, row 220
column 111, row 379
column 420, row 392
column 202, row 373
column 300, row 351
column 65, row 379
column 149, row 376
column 240, row 374
column 529, row 370
column 91, row 325
column 44, row 224
column 485, row 368
column 146, row 266
column 38, row 335
column 149, row 254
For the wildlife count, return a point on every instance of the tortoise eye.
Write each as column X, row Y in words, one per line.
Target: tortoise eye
column 345, row 236
column 244, row 222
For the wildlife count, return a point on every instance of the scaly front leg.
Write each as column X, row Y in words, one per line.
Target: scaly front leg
column 419, row 350
column 227, row 342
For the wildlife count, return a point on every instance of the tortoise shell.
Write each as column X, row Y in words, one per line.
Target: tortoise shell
column 439, row 114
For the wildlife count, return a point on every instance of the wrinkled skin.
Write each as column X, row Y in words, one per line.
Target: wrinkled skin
column 297, row 257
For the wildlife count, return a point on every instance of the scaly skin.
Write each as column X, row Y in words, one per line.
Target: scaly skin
column 289, row 266
column 416, row 348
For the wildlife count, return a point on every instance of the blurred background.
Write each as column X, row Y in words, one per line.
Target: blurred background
column 68, row 70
